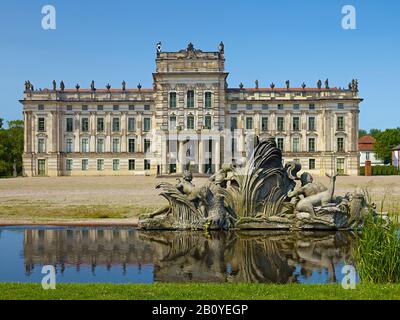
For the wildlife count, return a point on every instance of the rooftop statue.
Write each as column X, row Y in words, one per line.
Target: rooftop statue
column 287, row 84
column 319, row 84
column 123, row 85
column 327, row 84
column 158, row 47
column 62, row 86
column 260, row 195
column 54, row 85
column 256, row 84
column 221, row 47
column 92, row 86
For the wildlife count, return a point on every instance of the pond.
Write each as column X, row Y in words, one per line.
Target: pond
column 127, row 255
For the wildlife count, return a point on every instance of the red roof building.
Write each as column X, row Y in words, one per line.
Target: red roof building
column 366, row 143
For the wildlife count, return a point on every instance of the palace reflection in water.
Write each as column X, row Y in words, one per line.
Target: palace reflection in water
column 256, row 256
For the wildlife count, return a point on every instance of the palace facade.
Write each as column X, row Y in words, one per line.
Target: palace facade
column 189, row 119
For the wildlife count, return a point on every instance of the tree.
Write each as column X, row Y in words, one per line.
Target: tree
column 362, row 133
column 374, row 132
column 11, row 147
column 1, row 123
column 385, row 142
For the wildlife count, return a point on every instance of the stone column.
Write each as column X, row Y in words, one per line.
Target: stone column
column 181, row 156
column 201, row 155
column 218, row 154
column 123, row 132
column 164, row 156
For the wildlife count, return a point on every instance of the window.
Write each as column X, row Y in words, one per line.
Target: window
column 264, row 107
column 131, row 164
column 296, row 107
column 40, row 107
column 207, row 100
column 340, row 123
column 115, row 145
column 84, row 108
column 147, row 145
column 249, row 123
column 146, row 124
column 100, row 108
column 146, row 107
column 207, row 122
column 233, row 123
column 100, row 164
column 131, row 124
column 281, row 124
column 41, row 145
column 100, row 145
column 85, row 145
column 280, row 106
column 146, row 164
column 69, row 145
column 296, row 124
column 190, row 99
column 279, row 143
column 85, row 164
column 190, row 122
column 100, row 124
column 311, row 145
column 115, row 164
column 131, row 107
column 311, row 164
column 172, row 123
column 41, row 125
column 249, row 107
column 340, row 106
column 69, row 108
column 296, row 144
column 115, row 125
column 311, row 123
column 115, row 108
column 131, row 145
column 340, row 165
column 264, row 124
column 172, row 100
column 85, row 124
column 233, row 107
column 69, row 164
column 70, row 124
column 340, row 144
column 311, row 106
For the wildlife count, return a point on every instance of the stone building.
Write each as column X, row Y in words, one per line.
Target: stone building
column 189, row 119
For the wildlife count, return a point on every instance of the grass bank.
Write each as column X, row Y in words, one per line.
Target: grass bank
column 17, row 291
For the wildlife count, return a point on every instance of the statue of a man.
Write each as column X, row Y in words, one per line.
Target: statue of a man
column 190, row 47
column 92, row 87
column 256, row 83
column 287, row 84
column 221, row 47
column 327, row 84
column 54, row 85
column 158, row 47
column 319, row 84
column 62, row 85
column 123, row 85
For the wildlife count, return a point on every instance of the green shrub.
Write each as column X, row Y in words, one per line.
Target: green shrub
column 378, row 252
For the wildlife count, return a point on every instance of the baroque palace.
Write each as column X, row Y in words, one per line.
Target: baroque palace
column 189, row 119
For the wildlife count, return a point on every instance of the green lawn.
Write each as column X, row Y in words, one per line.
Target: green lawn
column 197, row 291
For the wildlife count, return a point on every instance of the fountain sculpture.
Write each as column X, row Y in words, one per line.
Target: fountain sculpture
column 260, row 195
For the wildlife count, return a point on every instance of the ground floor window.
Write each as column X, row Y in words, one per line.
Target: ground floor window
column 41, row 167
column 115, row 164
column 146, row 164
column 131, row 164
column 100, row 164
column 69, row 164
column 340, row 165
column 311, row 164
column 172, row 168
column 85, row 164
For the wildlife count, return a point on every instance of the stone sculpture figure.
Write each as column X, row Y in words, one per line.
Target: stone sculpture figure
column 287, row 84
column 62, row 86
column 123, row 85
column 92, row 86
column 319, row 84
column 261, row 194
column 54, row 85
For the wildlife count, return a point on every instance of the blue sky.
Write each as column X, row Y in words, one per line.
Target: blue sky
column 272, row 41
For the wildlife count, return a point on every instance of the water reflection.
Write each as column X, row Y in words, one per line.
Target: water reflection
column 253, row 256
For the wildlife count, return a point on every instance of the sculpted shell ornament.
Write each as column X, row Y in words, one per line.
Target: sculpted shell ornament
column 260, row 195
